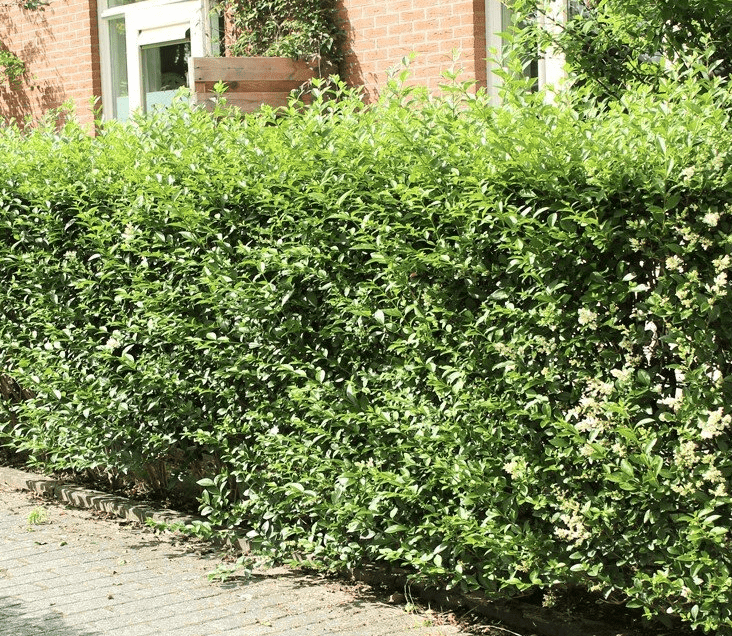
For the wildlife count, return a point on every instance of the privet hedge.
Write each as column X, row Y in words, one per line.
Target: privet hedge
column 491, row 345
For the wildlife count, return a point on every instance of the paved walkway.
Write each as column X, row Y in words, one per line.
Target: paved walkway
column 71, row 572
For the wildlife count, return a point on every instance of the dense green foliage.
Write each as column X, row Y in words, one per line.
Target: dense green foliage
column 301, row 29
column 610, row 44
column 491, row 345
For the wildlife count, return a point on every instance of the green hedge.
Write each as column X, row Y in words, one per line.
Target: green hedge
column 492, row 345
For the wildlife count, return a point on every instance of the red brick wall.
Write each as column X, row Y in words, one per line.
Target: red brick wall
column 61, row 50
column 381, row 32
column 60, row 46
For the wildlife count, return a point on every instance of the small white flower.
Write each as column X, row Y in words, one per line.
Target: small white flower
column 618, row 449
column 112, row 344
column 598, row 387
column 129, row 233
column 114, row 341
column 720, row 284
column 575, row 532
column 720, row 264
column 587, row 424
column 675, row 264
column 516, row 467
column 586, row 316
column 711, row 219
column 720, row 490
column 686, row 455
column 713, row 474
column 672, row 401
column 714, row 425
column 688, row 173
column 622, row 375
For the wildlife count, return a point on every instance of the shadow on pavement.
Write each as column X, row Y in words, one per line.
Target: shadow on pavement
column 14, row 623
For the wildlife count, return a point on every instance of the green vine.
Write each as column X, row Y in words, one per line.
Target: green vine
column 301, row 29
column 12, row 68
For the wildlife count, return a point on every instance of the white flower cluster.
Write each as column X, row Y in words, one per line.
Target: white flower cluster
column 618, row 449
column 691, row 238
column 722, row 263
column 715, row 423
column 129, row 233
column 587, row 317
column 515, row 467
column 587, row 424
column 687, row 174
column 685, row 455
column 587, row 450
column 575, row 531
column 502, row 349
column 682, row 293
column 713, row 475
column 600, row 388
column 719, row 287
column 590, row 416
column 712, row 479
column 711, row 219
column 622, row 375
column 718, row 161
column 675, row 264
column 113, row 342
column 673, row 401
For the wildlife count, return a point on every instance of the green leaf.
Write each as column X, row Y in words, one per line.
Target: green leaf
column 396, row 528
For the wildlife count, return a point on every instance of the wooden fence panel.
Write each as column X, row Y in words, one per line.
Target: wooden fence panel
column 250, row 81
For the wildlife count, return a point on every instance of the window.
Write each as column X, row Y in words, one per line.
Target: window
column 145, row 47
column 499, row 19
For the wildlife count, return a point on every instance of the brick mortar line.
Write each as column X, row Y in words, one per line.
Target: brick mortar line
column 127, row 607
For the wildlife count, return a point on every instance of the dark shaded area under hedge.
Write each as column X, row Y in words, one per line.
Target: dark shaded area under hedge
column 491, row 345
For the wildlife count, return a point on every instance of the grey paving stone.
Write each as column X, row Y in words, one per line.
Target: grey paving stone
column 80, row 576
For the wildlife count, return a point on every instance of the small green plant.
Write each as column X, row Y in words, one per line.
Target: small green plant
column 12, row 68
column 37, row 517
column 242, row 568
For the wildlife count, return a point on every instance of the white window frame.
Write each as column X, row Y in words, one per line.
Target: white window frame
column 550, row 66
column 149, row 23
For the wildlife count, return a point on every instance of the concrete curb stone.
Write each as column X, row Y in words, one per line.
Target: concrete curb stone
column 81, row 497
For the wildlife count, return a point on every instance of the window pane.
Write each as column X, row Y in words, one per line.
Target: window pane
column 164, row 71
column 118, row 57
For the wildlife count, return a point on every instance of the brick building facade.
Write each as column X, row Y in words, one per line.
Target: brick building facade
column 380, row 34
column 61, row 50
column 61, row 47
